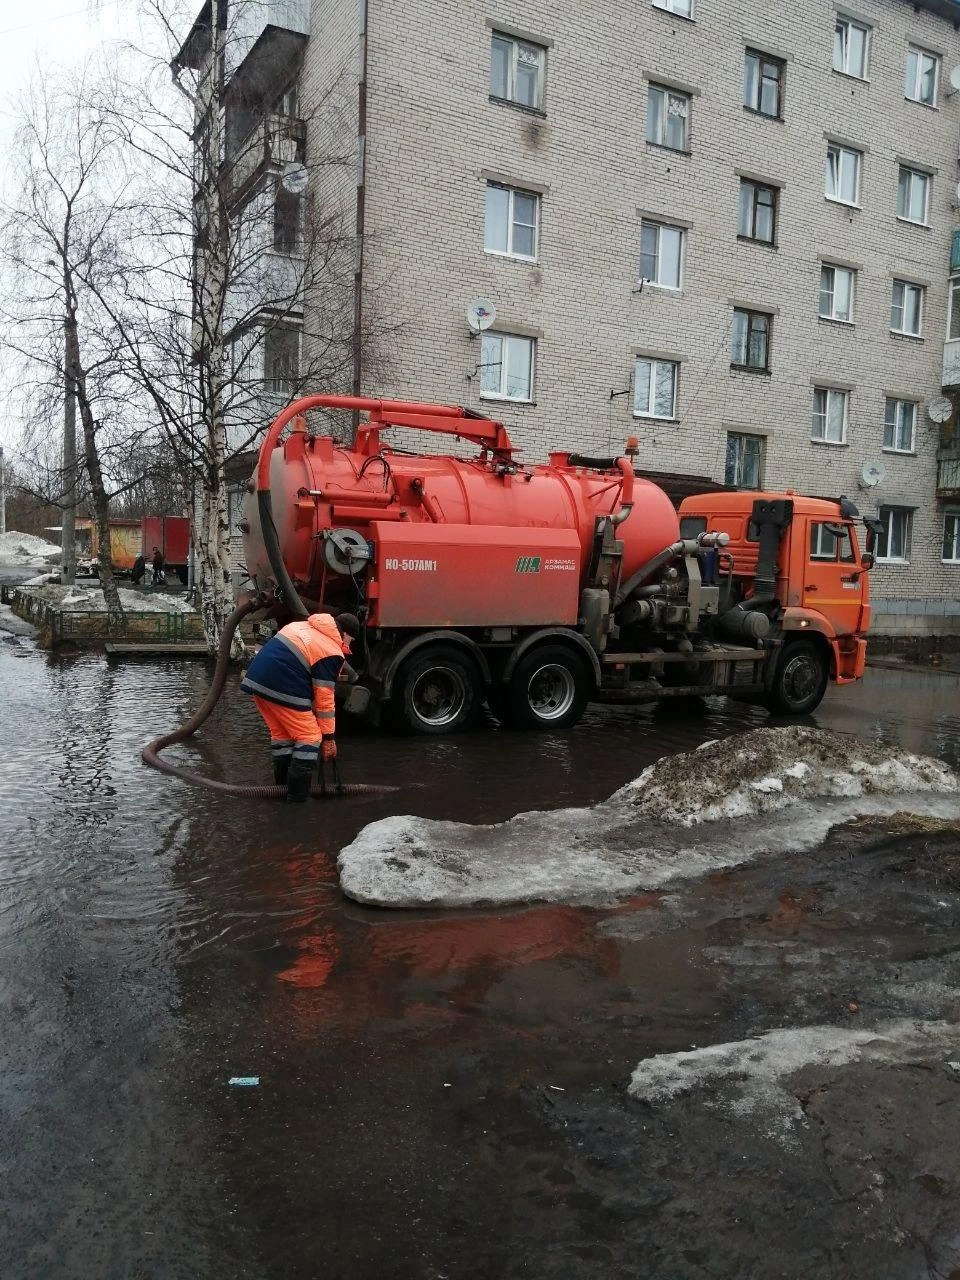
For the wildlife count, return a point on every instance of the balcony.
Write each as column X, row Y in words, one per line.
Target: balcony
column 265, row 39
column 948, row 474
column 275, row 141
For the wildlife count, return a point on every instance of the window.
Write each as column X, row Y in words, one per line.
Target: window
column 906, row 308
column 829, row 415
column 951, row 537
column 234, row 512
column 953, row 326
column 281, row 360
column 661, row 254
column 836, row 293
column 516, row 70
column 843, row 174
column 851, row 48
column 743, row 460
column 920, row 81
column 899, row 423
column 913, row 191
column 682, row 7
column 763, row 84
column 506, row 366
column 750, row 340
column 512, row 220
column 827, row 539
column 668, row 116
column 893, row 542
column 286, row 222
column 758, row 211
column 655, row 388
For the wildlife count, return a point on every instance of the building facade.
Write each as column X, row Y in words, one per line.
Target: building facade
column 725, row 228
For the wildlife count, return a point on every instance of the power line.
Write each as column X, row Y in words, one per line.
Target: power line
column 55, row 17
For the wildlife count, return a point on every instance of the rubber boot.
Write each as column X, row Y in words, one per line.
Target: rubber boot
column 298, row 780
column 281, row 768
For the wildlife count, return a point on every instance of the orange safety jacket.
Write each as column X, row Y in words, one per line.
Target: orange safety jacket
column 299, row 667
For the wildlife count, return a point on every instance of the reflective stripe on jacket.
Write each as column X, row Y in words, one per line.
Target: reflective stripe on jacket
column 299, row 667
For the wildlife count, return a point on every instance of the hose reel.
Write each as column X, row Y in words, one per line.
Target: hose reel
column 345, row 551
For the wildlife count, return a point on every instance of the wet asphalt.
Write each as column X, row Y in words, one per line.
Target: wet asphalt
column 442, row 1095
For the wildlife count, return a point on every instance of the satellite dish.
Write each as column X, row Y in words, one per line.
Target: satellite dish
column 481, row 313
column 940, row 409
column 871, row 474
column 955, row 79
column 294, row 178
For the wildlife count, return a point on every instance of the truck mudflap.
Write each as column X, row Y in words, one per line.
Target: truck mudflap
column 851, row 659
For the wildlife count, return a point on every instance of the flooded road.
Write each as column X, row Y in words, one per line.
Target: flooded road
column 440, row 1095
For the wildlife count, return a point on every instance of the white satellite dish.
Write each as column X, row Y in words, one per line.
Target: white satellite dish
column 481, row 313
column 294, row 178
column 954, row 82
column 940, row 409
column 871, row 474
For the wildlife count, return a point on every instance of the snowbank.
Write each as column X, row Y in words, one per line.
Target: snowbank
column 753, row 1075
column 25, row 548
column 681, row 818
column 90, row 600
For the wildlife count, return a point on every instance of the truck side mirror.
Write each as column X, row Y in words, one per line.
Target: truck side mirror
column 867, row 560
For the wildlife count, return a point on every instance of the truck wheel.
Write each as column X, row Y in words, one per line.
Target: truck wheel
column 800, row 680
column 441, row 691
column 549, row 689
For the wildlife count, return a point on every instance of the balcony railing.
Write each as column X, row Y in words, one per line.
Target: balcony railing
column 948, row 473
column 951, row 364
column 277, row 140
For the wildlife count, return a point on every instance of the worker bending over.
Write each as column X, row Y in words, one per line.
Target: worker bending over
column 292, row 680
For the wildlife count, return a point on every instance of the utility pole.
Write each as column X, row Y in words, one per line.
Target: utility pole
column 3, row 493
column 68, row 534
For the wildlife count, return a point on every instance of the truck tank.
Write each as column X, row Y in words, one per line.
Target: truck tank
column 404, row 507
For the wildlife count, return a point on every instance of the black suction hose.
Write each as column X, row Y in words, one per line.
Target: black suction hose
column 151, row 752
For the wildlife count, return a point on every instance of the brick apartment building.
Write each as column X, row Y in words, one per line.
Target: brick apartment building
column 726, row 228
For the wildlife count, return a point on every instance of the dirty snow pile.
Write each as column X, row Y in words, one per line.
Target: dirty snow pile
column 26, row 548
column 769, row 769
column 747, row 1076
column 682, row 817
column 90, row 600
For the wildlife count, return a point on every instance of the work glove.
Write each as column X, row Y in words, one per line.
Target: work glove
column 329, row 749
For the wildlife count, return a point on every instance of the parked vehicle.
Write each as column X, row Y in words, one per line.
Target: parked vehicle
column 539, row 588
column 132, row 538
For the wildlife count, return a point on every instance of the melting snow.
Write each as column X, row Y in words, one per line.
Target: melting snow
column 754, row 1075
column 25, row 548
column 677, row 820
column 90, row 600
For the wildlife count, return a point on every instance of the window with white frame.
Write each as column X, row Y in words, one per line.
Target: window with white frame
column 837, row 287
column 655, row 388
column 668, row 117
column 899, row 425
column 763, row 84
column 744, row 453
column 906, row 308
column 758, row 211
column 843, row 174
column 922, row 74
column 506, row 366
column 517, row 70
column 851, row 48
column 951, row 537
column 893, row 541
column 682, row 7
column 512, row 222
column 953, row 324
column 661, row 254
column 830, row 411
column 913, row 194
column 750, row 340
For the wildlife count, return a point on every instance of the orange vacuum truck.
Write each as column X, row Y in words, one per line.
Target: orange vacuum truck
column 540, row 588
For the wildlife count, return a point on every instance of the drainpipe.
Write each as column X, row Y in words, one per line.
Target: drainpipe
column 360, row 212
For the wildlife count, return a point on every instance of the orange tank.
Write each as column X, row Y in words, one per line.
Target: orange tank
column 508, row 538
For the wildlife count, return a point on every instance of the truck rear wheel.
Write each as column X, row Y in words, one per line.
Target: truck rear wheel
column 441, row 690
column 549, row 689
column 800, row 680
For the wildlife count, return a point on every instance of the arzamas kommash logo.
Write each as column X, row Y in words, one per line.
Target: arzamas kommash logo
column 528, row 564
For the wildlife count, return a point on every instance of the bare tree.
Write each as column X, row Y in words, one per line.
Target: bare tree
column 59, row 242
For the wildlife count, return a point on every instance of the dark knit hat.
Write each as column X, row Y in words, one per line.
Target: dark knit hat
column 349, row 624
